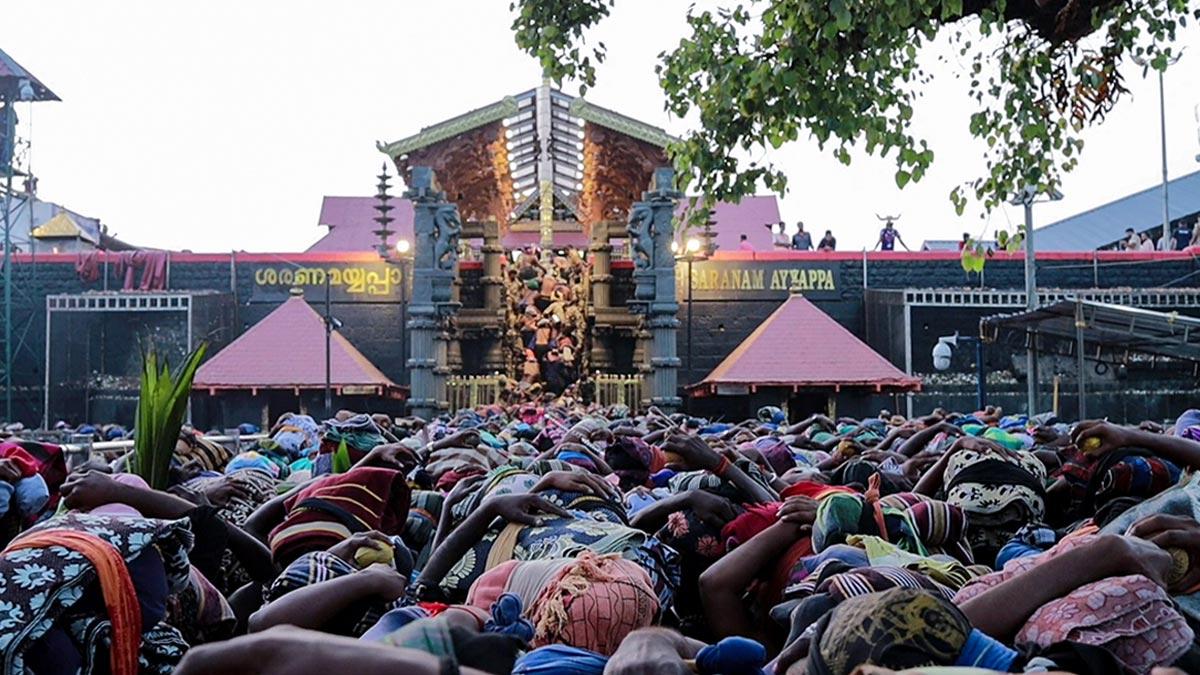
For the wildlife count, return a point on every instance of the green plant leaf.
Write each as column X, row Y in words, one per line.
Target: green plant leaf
column 162, row 404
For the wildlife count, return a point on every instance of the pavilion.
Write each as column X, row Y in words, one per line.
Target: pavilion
column 803, row 360
column 282, row 357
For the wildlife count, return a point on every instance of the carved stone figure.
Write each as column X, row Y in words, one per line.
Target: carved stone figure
column 448, row 228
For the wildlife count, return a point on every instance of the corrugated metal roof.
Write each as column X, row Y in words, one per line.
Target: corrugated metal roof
column 11, row 73
column 801, row 346
column 286, row 350
column 1106, row 224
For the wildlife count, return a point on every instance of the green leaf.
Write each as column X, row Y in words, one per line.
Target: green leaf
column 902, row 178
column 162, row 405
column 341, row 458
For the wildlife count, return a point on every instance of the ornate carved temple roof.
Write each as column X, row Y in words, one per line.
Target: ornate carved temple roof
column 494, row 160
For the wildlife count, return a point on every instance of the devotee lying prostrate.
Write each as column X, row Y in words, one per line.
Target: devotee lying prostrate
column 562, row 538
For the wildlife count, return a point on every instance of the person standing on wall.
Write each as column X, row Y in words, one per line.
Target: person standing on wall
column 888, row 237
column 801, row 241
column 828, row 243
column 779, row 238
column 1184, row 234
column 744, row 244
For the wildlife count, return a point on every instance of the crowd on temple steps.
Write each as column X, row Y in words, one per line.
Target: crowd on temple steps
column 556, row 537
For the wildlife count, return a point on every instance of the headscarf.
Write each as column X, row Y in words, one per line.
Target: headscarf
column 776, row 452
column 594, row 603
column 252, row 460
column 1130, row 616
column 297, row 435
column 1130, row 473
column 591, row 602
column 911, row 521
column 633, row 460
column 898, row 628
column 999, row 493
column 331, row 509
column 321, row 566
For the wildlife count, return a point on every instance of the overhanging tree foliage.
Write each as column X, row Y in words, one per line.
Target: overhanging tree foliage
column 761, row 73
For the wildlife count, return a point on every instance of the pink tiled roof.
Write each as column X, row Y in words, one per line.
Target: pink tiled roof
column 749, row 217
column 351, row 224
column 286, row 350
column 801, row 346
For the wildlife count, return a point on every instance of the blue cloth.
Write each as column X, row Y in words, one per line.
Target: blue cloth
column 851, row 555
column 1013, row 550
column 393, row 621
column 506, row 618
column 247, row 428
column 636, row 501
column 982, row 651
column 662, row 479
column 560, row 660
column 1187, row 420
column 31, row 496
column 732, row 656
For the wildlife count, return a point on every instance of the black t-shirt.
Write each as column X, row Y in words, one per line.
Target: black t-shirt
column 1183, row 237
column 828, row 242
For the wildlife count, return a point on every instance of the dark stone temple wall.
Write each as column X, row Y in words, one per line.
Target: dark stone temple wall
column 731, row 295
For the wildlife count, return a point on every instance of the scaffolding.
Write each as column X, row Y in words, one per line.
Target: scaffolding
column 16, row 84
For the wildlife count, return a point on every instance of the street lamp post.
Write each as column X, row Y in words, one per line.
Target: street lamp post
column 403, row 248
column 1162, row 122
column 689, row 255
column 1027, row 198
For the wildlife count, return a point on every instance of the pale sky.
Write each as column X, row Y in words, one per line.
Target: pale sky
column 220, row 125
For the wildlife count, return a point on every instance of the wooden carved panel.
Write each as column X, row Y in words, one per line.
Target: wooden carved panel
column 616, row 170
column 472, row 168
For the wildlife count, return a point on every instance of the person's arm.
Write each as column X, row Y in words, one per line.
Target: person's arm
column 512, row 508
column 699, row 455
column 264, row 519
column 722, row 584
column 294, row 651
column 252, row 553
column 662, row 647
column 917, row 442
column 1001, row 610
column 1112, row 437
column 89, row 490
column 315, row 605
column 901, row 240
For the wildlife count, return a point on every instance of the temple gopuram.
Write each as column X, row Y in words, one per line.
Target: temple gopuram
column 545, row 184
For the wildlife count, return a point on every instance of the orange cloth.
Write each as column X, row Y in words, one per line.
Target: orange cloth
column 120, row 597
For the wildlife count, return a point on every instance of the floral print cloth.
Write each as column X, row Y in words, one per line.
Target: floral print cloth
column 40, row 589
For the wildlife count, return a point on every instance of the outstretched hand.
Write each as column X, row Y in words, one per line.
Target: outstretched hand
column 1174, row 532
column 1098, row 437
column 693, row 450
column 524, row 509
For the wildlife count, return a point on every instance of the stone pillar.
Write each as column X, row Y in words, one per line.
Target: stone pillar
column 651, row 228
column 601, row 251
column 601, row 285
column 436, row 228
column 493, row 273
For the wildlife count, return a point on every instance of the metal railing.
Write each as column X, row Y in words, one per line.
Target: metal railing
column 469, row 391
column 78, row 453
column 618, row 390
